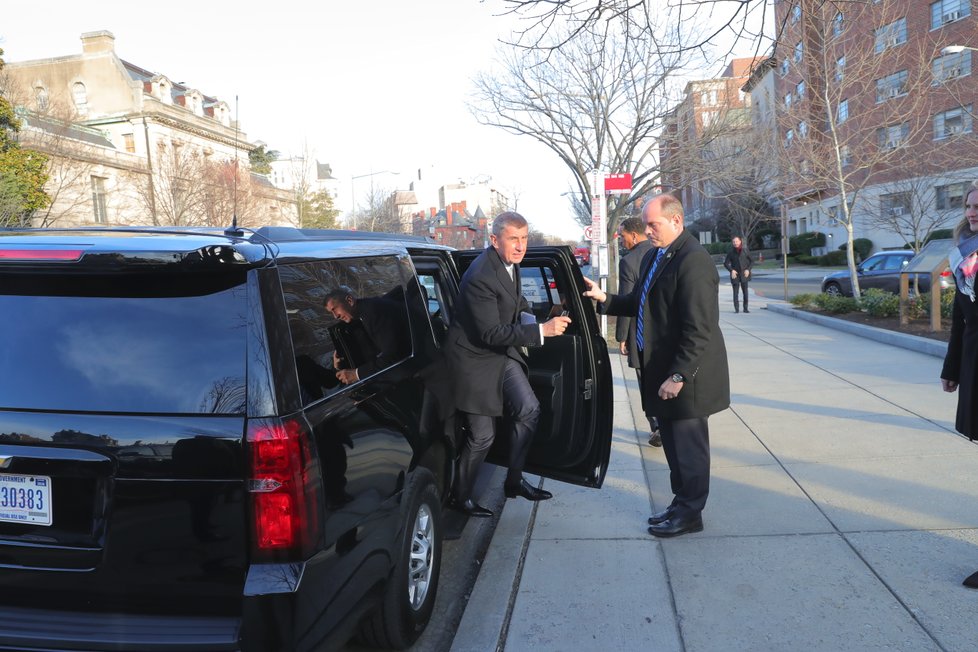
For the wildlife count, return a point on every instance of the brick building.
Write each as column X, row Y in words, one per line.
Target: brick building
column 873, row 103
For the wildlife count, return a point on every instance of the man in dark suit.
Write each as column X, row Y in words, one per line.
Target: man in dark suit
column 487, row 366
column 632, row 234
column 683, row 357
column 376, row 334
column 738, row 262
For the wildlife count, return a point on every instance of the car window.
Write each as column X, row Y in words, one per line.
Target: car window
column 896, row 262
column 144, row 343
column 345, row 316
column 874, row 263
column 540, row 290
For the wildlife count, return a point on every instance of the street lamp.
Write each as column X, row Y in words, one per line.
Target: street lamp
column 353, row 196
column 956, row 49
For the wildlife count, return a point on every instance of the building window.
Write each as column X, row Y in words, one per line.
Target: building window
column 952, row 66
column 952, row 122
column 789, row 138
column 895, row 204
column 951, row 196
column 840, row 68
column 892, row 136
column 79, row 94
column 41, row 98
column 802, row 129
column 891, row 35
column 130, row 142
column 845, row 156
column 943, row 12
column 795, row 14
column 785, row 66
column 799, row 52
column 838, row 24
column 800, row 90
column 843, row 113
column 98, row 199
column 708, row 118
column 787, row 101
column 891, row 86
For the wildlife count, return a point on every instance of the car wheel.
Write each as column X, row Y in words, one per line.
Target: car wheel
column 410, row 594
column 833, row 289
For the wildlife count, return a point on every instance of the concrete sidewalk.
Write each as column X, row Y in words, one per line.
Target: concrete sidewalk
column 843, row 515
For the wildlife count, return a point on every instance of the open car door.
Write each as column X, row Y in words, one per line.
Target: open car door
column 570, row 374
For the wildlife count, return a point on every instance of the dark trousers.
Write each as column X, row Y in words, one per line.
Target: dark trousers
column 521, row 411
column 653, row 423
column 742, row 284
column 686, row 443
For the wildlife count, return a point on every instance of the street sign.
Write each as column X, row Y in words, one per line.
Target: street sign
column 588, row 233
column 618, row 184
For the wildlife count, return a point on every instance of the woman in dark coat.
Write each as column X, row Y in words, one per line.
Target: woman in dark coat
column 960, row 371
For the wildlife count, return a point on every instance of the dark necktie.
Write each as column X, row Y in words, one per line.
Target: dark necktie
column 640, row 319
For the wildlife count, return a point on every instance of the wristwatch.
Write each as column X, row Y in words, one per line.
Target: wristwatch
column 678, row 378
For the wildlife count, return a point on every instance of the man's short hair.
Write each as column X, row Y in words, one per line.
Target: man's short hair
column 632, row 225
column 339, row 294
column 509, row 218
column 668, row 204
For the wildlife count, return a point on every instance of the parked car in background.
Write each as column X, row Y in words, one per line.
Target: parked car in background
column 582, row 255
column 184, row 464
column 881, row 270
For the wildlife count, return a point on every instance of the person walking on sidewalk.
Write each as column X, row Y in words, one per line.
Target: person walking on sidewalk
column 683, row 358
column 632, row 233
column 961, row 363
column 739, row 264
column 489, row 370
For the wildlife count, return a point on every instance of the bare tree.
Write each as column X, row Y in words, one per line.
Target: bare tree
column 730, row 22
column 378, row 211
column 178, row 193
column 597, row 102
column 914, row 208
column 839, row 136
column 70, row 166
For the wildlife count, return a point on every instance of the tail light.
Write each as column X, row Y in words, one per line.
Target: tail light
column 284, row 489
column 41, row 254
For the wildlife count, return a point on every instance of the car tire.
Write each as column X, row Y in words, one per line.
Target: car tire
column 410, row 593
column 833, row 289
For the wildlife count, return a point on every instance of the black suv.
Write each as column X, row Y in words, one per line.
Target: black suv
column 223, row 440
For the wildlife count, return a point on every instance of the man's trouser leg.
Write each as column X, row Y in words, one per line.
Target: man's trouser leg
column 736, row 294
column 482, row 430
column 686, row 443
column 522, row 410
column 743, row 287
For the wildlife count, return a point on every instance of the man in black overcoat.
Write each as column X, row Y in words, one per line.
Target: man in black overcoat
column 489, row 370
column 632, row 234
column 683, row 357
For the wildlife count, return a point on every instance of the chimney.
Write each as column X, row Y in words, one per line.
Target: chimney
column 97, row 42
column 462, row 204
column 448, row 214
column 433, row 211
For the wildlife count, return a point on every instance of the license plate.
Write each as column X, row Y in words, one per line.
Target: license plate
column 25, row 499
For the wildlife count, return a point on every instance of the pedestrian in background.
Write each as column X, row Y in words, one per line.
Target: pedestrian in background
column 961, row 362
column 739, row 264
column 632, row 234
column 682, row 355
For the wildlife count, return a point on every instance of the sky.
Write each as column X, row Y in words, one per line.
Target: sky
column 366, row 86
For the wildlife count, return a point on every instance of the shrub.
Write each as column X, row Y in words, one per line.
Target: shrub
column 719, row 247
column 940, row 234
column 803, row 259
column 805, row 300
column 880, row 303
column 803, row 242
column 837, row 305
column 832, row 258
column 947, row 304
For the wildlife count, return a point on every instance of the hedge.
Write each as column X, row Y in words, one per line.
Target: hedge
column 804, row 242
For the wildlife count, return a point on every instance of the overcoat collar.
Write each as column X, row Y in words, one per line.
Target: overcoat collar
column 681, row 241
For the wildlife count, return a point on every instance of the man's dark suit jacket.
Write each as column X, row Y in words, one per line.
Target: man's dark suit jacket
column 486, row 331
column 681, row 331
column 628, row 268
column 383, row 322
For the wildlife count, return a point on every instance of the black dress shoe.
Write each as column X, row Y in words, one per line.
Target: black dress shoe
column 971, row 581
column 471, row 508
column 745, row 309
column 661, row 517
column 676, row 526
column 655, row 439
column 528, row 491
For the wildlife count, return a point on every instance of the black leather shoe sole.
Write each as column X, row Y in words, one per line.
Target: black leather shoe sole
column 471, row 508
column 528, row 491
column 676, row 527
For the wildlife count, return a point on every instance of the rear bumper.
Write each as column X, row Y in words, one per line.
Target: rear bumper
column 37, row 629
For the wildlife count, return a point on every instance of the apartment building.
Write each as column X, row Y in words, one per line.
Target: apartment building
column 702, row 137
column 128, row 146
column 875, row 103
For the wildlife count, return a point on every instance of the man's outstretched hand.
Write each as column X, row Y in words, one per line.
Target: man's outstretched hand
column 594, row 291
column 555, row 326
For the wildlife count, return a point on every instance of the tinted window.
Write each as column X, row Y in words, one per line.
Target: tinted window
column 346, row 315
column 896, row 262
column 146, row 344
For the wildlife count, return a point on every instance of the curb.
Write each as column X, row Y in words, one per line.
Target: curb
column 924, row 345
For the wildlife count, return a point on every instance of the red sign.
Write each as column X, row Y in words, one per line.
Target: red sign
column 618, row 184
